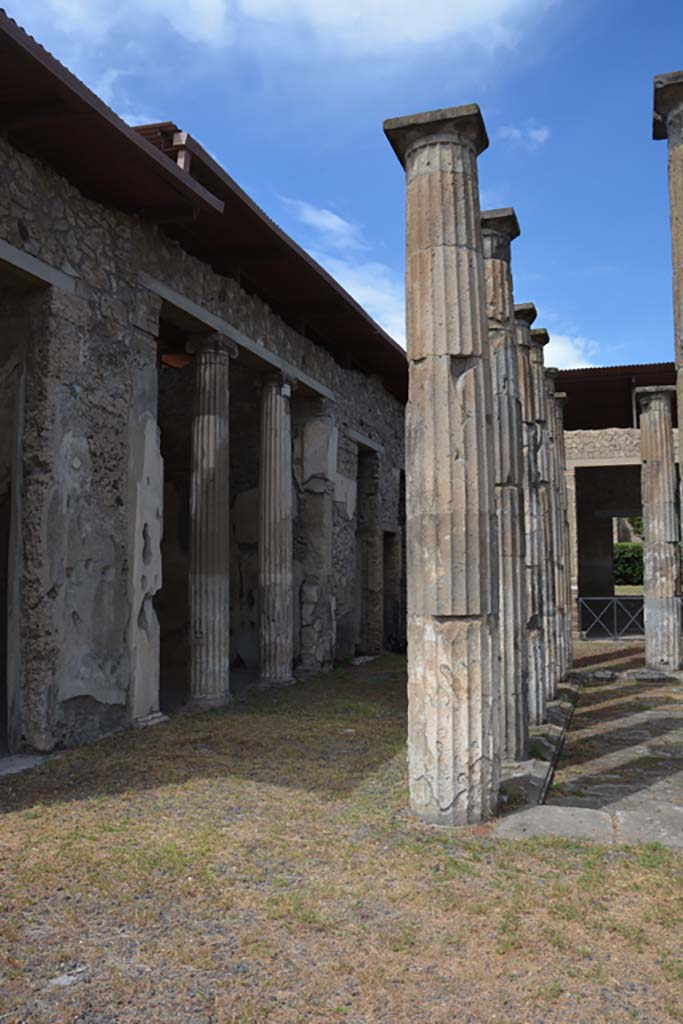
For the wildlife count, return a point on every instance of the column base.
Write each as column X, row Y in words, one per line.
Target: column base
column 155, row 718
column 264, row 683
column 208, row 703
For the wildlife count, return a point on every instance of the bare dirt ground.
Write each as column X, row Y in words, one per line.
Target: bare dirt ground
column 259, row 864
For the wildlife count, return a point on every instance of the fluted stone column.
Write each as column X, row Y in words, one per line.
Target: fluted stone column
column 557, row 520
column 539, row 338
column 209, row 575
column 567, row 654
column 499, row 228
column 661, row 548
column 276, row 579
column 452, row 558
column 525, row 314
column 668, row 124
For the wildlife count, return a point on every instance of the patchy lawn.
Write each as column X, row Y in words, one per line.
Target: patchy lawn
column 259, row 865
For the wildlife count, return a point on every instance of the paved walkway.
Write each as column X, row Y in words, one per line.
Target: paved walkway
column 620, row 776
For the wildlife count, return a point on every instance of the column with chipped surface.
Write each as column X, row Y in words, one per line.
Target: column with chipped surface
column 452, row 561
column 499, row 228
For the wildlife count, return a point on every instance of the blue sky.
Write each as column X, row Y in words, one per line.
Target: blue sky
column 290, row 95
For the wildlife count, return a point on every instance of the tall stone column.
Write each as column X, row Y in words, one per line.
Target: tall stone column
column 452, row 557
column 668, row 124
column 525, row 315
column 209, row 522
column 499, row 228
column 276, row 578
column 315, row 469
column 566, row 580
column 555, row 519
column 573, row 542
column 539, row 338
column 661, row 549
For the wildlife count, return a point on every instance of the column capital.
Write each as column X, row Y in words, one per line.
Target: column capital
column 645, row 396
column 213, row 342
column 463, row 125
column 668, row 99
column 279, row 379
column 526, row 313
column 539, row 336
column 498, row 228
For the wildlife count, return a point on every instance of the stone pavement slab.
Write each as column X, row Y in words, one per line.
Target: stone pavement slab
column 661, row 824
column 565, row 822
column 19, row 763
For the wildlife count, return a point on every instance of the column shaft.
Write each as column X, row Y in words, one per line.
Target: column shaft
column 668, row 124
column 557, row 525
column 539, row 338
column 566, row 577
column 276, row 581
column 499, row 227
column 453, row 672
column 661, row 550
column 535, row 549
column 209, row 524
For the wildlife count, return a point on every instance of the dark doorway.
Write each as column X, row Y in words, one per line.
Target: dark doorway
column 171, row 603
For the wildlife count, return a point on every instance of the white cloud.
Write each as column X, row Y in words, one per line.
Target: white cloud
column 569, row 353
column 528, row 134
column 338, row 245
column 199, row 21
column 333, row 231
column 377, row 26
column 376, row 286
column 369, row 28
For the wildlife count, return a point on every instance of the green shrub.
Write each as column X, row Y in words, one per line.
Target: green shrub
column 628, row 563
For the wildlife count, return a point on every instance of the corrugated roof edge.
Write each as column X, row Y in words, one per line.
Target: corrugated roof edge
column 624, row 368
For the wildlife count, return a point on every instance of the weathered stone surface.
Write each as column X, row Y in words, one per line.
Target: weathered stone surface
column 453, row 670
column 539, row 338
column 562, row 822
column 565, row 574
column 209, row 519
column 275, row 534
column 661, row 824
column 19, row 763
column 75, row 596
column 525, row 315
column 146, row 497
column 320, row 449
column 499, row 228
column 668, row 124
column 317, row 646
column 661, row 548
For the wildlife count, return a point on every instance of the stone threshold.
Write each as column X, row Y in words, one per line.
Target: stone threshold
column 526, row 783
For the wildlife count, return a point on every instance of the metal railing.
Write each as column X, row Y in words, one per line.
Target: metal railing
column 615, row 618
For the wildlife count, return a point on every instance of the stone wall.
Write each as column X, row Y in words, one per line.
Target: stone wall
column 606, row 446
column 91, row 522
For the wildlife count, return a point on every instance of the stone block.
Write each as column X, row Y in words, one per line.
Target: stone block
column 346, row 493
column 320, row 440
column 562, row 822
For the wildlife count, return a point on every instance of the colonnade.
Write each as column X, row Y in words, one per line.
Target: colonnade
column 209, row 572
column 489, row 616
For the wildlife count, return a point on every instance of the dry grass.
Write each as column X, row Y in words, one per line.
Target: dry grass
column 259, row 865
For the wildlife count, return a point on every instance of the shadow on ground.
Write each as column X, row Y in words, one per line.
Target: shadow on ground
column 324, row 735
column 625, row 742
